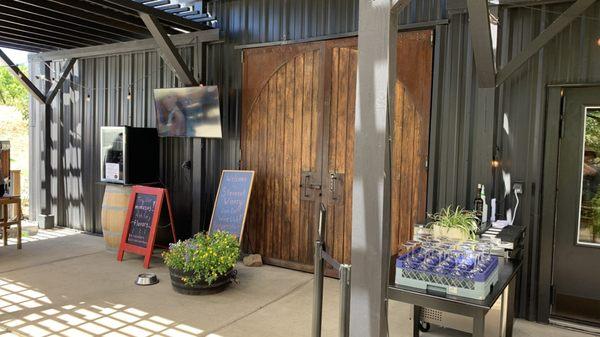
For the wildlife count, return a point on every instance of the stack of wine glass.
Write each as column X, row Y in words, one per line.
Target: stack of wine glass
column 458, row 268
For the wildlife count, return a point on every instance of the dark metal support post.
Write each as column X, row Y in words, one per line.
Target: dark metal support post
column 318, row 291
column 479, row 27
column 168, row 50
column 319, row 273
column 21, row 77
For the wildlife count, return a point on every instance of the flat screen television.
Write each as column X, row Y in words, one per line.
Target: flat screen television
column 188, row 112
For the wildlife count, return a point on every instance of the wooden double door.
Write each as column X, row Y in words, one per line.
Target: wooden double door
column 298, row 105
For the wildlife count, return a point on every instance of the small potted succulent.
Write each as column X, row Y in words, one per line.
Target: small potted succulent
column 203, row 264
column 454, row 223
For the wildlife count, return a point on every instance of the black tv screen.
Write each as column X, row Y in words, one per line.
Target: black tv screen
column 188, row 112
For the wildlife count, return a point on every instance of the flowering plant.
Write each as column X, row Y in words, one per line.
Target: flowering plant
column 205, row 257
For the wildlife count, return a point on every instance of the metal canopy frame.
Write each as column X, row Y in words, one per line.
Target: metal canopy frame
column 48, row 25
column 169, row 53
column 66, row 69
column 487, row 74
column 22, row 78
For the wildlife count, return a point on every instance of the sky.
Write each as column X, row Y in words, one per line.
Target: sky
column 17, row 56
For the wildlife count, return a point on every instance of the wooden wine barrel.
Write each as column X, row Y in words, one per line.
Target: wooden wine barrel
column 114, row 210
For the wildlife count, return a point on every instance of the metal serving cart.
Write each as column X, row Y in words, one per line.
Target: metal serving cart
column 492, row 316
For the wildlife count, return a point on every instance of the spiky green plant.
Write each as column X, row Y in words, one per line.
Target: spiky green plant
column 457, row 218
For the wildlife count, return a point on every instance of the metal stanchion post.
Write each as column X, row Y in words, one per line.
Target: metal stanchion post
column 318, row 281
column 318, row 291
column 345, row 300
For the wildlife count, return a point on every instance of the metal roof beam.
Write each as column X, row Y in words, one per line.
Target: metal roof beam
column 6, row 7
column 160, row 15
column 169, row 52
column 125, row 47
column 27, row 40
column 31, row 32
column 481, row 37
column 66, row 69
column 99, row 18
column 565, row 19
column 35, row 31
column 24, row 47
column 22, row 78
column 156, row 3
column 30, row 22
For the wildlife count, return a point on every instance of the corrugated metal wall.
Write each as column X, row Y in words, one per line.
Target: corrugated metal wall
column 66, row 138
column 572, row 57
column 94, row 95
column 468, row 123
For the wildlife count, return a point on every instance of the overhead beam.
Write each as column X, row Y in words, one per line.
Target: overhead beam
column 22, row 78
column 35, row 31
column 66, row 69
column 94, row 15
column 563, row 20
column 481, row 37
column 157, row 13
column 126, row 47
column 18, row 9
column 16, row 17
column 169, row 52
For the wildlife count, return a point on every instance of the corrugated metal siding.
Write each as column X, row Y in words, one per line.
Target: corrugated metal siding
column 73, row 171
column 467, row 122
column 74, row 122
column 571, row 57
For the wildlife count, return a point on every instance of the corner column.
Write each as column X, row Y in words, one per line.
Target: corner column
column 377, row 33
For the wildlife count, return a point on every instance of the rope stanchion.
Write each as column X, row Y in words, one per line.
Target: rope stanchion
column 321, row 256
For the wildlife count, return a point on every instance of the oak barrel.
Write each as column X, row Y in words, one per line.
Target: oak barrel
column 114, row 210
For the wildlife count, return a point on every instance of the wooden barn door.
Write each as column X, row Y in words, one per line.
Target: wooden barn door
column 298, row 134
column 340, row 98
column 281, row 141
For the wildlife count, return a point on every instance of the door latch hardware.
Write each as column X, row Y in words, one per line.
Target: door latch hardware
column 335, row 187
column 308, row 186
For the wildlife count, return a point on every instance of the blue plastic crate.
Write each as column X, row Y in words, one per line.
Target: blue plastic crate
column 476, row 288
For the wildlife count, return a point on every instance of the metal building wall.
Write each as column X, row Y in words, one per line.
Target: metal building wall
column 468, row 123
column 69, row 172
column 571, row 57
column 64, row 179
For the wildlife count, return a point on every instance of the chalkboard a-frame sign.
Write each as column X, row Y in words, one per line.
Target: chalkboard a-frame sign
column 231, row 203
column 141, row 221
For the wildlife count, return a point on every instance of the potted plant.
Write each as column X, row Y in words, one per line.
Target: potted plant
column 454, row 223
column 203, row 264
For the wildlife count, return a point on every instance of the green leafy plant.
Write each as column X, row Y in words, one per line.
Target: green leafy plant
column 455, row 218
column 595, row 223
column 12, row 93
column 206, row 256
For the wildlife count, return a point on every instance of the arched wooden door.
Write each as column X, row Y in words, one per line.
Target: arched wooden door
column 298, row 135
column 281, row 123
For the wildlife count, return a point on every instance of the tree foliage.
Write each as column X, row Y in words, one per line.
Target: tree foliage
column 592, row 131
column 12, row 93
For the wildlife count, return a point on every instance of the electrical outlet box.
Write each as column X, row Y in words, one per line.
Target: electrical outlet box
column 518, row 188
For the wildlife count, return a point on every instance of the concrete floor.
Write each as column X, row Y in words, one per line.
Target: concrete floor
column 65, row 283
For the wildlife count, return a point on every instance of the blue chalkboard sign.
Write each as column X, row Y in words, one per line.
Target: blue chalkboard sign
column 231, row 204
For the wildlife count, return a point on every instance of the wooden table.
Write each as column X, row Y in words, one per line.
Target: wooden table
column 6, row 223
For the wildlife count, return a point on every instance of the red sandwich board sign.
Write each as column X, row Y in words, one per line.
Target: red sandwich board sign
column 141, row 221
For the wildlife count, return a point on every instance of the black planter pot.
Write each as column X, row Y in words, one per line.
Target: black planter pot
column 202, row 288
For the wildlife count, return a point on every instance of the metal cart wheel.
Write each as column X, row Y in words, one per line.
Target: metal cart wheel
column 424, row 326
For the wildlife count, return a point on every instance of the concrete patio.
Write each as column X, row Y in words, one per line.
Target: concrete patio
column 66, row 283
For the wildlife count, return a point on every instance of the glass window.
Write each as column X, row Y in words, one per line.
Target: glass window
column 589, row 220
